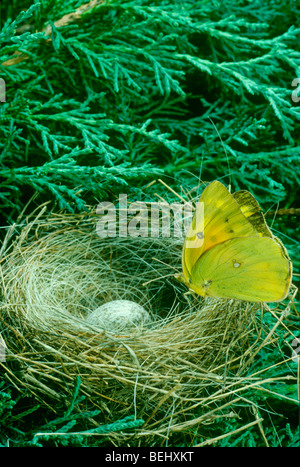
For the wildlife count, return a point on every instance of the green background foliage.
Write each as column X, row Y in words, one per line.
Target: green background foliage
column 132, row 91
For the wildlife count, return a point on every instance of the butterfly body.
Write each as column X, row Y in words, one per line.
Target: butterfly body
column 232, row 252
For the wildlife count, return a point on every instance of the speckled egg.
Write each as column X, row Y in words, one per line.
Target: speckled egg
column 119, row 315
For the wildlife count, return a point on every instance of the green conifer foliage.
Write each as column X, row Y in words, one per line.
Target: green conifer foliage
column 110, row 94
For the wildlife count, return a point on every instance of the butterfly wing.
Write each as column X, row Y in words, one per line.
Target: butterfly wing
column 223, row 220
column 252, row 211
column 255, row 269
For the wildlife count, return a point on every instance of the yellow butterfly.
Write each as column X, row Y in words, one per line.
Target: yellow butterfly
column 231, row 253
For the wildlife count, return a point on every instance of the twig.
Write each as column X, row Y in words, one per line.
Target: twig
column 238, row 430
column 64, row 21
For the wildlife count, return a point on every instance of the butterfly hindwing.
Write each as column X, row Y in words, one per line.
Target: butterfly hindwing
column 251, row 268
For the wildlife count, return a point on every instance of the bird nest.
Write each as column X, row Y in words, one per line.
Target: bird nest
column 176, row 372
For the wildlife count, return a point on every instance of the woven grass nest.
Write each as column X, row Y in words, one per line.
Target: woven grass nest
column 185, row 368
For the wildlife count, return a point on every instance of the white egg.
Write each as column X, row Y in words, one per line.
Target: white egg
column 119, row 315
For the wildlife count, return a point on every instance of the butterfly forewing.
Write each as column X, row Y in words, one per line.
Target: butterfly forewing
column 223, row 220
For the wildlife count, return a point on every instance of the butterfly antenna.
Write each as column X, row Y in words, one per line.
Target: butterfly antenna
column 225, row 151
column 274, row 215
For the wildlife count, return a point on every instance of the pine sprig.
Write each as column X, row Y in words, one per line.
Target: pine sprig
column 148, row 83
